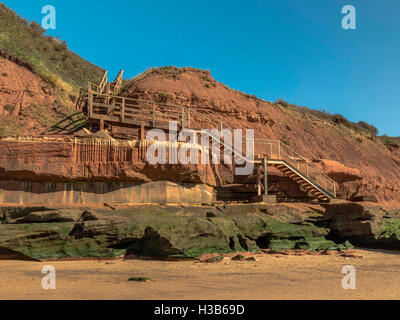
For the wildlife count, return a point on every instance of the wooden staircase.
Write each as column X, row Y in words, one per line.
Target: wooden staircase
column 105, row 105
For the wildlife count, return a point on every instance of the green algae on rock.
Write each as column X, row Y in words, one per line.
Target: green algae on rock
column 167, row 231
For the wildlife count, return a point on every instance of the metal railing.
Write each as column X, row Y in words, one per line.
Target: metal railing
column 156, row 114
column 275, row 150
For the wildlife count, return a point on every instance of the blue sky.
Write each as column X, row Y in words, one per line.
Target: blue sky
column 290, row 49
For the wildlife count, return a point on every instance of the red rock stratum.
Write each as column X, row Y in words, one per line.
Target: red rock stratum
column 359, row 160
column 363, row 163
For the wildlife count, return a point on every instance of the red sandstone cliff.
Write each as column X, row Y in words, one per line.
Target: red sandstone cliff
column 361, row 162
column 92, row 159
column 367, row 166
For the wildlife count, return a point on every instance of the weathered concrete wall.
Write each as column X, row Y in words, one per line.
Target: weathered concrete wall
column 65, row 193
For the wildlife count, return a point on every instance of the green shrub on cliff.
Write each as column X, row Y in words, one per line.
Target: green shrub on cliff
column 26, row 43
column 390, row 229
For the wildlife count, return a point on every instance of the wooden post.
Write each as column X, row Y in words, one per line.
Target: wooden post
column 265, row 177
column 107, row 93
column 141, row 131
column 154, row 115
column 90, row 104
column 101, row 123
column 123, row 110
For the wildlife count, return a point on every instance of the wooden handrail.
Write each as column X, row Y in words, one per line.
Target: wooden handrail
column 125, row 109
column 103, row 82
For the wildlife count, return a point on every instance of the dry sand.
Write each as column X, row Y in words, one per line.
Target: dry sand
column 270, row 277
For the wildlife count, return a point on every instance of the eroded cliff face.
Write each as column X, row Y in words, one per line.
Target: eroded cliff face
column 92, row 159
column 314, row 135
column 97, row 170
column 28, row 104
column 362, row 164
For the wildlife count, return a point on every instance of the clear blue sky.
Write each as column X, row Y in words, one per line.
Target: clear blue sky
column 290, row 49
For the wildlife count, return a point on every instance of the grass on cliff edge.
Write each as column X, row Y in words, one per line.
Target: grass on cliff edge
column 47, row 56
column 359, row 129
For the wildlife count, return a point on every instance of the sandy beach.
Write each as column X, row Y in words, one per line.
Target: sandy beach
column 269, row 277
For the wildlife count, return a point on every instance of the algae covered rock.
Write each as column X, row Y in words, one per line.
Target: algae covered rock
column 214, row 259
column 158, row 231
column 239, row 257
column 364, row 224
column 316, row 243
column 281, row 244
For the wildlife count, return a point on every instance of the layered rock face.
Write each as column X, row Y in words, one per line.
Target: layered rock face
column 156, row 231
column 80, row 159
column 189, row 231
column 364, row 224
column 91, row 170
column 313, row 134
column 98, row 170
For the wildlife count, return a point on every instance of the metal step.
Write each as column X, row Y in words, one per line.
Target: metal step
column 311, row 187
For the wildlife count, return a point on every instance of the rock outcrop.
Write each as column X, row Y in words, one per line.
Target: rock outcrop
column 160, row 231
column 364, row 224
